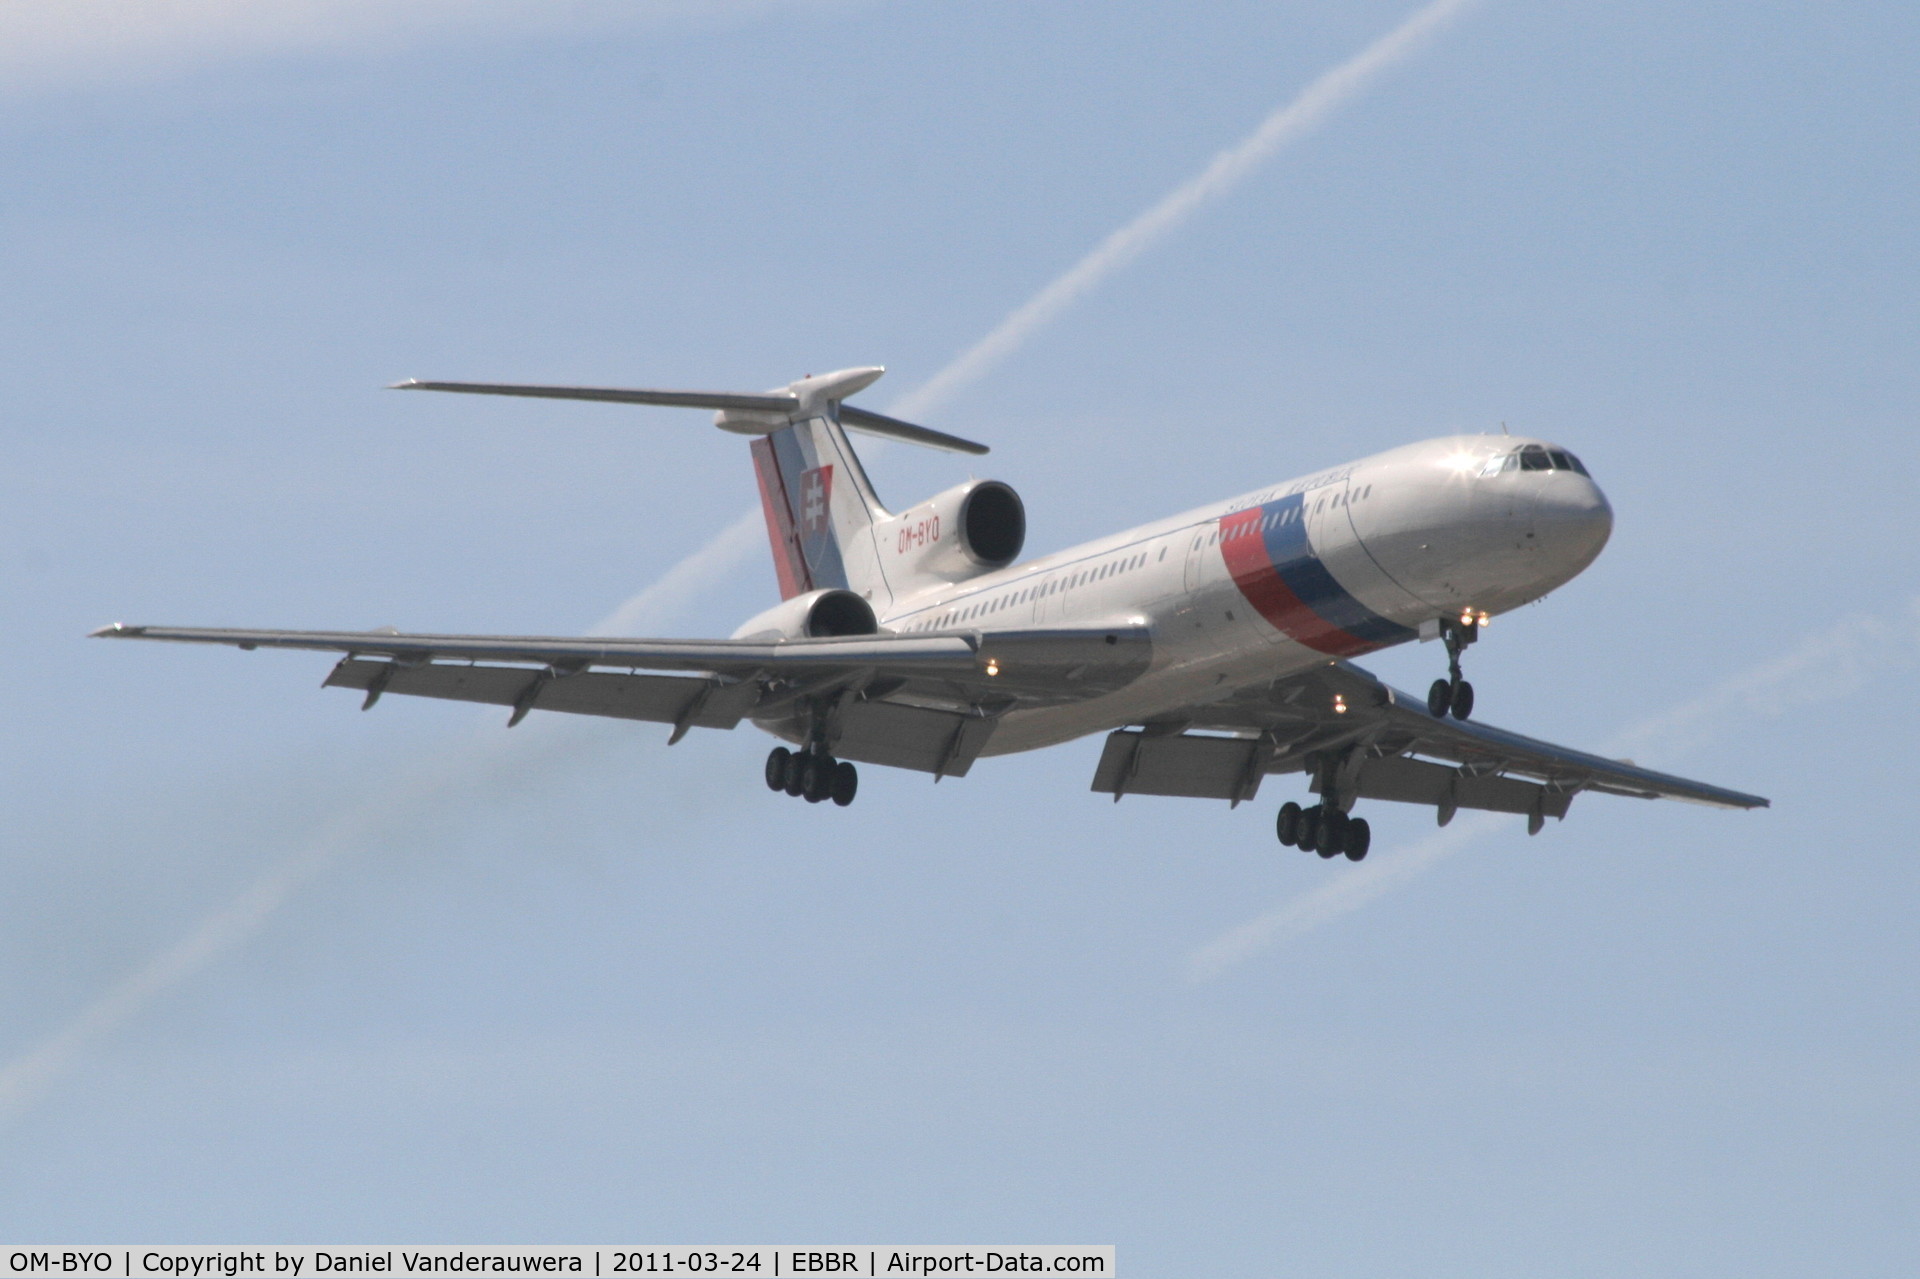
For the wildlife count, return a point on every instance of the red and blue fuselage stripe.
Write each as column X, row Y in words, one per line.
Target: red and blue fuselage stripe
column 1267, row 552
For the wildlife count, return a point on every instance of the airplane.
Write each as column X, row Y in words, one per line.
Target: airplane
column 1213, row 648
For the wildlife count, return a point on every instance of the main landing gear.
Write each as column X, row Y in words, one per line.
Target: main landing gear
column 1454, row 694
column 812, row 775
column 1324, row 830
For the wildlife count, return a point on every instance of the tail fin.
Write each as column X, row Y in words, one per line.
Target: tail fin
column 820, row 510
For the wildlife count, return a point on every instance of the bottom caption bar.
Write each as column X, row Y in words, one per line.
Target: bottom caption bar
column 761, row 1261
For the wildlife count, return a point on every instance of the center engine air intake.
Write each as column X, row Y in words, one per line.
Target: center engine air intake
column 968, row 530
column 993, row 520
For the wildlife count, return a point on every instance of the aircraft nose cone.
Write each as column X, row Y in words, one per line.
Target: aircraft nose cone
column 1573, row 521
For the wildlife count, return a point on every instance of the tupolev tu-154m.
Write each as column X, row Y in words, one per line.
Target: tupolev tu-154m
column 1212, row 648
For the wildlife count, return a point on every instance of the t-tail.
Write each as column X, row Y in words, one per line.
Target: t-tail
column 824, row 521
column 820, row 506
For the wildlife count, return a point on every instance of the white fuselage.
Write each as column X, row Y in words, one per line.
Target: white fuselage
column 1293, row 575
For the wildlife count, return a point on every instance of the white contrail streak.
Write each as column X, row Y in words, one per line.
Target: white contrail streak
column 25, row 1077
column 468, row 775
column 1825, row 666
column 1289, row 123
column 1355, row 887
column 679, row 584
column 227, row 929
column 58, row 43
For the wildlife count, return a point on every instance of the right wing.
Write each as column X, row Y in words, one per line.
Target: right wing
column 1354, row 734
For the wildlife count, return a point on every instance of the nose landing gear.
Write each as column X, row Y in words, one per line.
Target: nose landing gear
column 812, row 775
column 1454, row 694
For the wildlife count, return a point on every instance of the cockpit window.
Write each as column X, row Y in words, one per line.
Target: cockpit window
column 1534, row 457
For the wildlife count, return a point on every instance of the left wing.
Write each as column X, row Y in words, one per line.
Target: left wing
column 1363, row 739
column 927, row 701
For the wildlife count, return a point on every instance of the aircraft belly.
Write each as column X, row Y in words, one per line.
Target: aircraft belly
column 1173, row 686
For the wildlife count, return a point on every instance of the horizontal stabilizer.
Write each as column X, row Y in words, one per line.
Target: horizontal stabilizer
column 868, row 422
column 768, row 410
column 770, row 403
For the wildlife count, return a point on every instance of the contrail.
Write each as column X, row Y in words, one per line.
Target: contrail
column 1289, row 123
column 28, row 1075
column 228, row 928
column 689, row 577
column 57, row 43
column 467, row 775
column 1825, row 666
column 1355, row 887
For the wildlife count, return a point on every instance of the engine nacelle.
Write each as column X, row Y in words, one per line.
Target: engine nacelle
column 815, row 615
column 972, row 529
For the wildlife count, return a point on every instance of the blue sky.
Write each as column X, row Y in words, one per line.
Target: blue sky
column 568, row 985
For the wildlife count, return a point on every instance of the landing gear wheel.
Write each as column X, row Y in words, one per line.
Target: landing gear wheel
column 798, row 766
column 1333, row 832
column 819, row 783
column 1306, row 836
column 1359, row 839
column 1287, row 825
column 846, row 781
column 1439, row 698
column 1462, row 700
column 777, row 768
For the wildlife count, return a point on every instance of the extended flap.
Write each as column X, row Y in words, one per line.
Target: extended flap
column 944, row 743
column 1415, row 781
column 666, row 699
column 1194, row 767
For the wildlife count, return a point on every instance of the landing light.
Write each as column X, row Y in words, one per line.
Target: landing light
column 1339, row 704
column 993, row 667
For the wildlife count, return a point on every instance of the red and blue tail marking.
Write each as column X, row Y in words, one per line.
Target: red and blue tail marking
column 797, row 496
column 1266, row 551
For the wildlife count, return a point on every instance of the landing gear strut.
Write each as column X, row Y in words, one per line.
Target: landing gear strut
column 1323, row 829
column 1454, row 694
column 812, row 775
